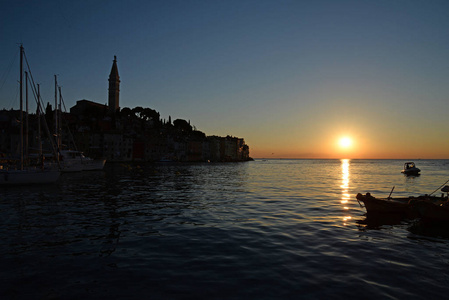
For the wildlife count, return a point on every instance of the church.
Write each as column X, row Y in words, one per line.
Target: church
column 114, row 88
column 84, row 106
column 101, row 131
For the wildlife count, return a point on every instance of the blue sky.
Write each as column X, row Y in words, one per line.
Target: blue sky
column 290, row 77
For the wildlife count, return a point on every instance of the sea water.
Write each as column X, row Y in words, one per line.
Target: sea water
column 265, row 229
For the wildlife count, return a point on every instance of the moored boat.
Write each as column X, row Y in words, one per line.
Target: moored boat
column 71, row 160
column 28, row 176
column 410, row 169
column 383, row 205
column 432, row 211
column 74, row 161
column 391, row 205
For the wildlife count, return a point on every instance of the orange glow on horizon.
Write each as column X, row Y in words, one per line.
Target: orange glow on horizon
column 331, row 145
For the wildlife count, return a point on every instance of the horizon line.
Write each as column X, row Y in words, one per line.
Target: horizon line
column 303, row 158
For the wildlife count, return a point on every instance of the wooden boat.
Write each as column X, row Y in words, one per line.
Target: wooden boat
column 391, row 205
column 431, row 212
column 383, row 205
column 410, row 169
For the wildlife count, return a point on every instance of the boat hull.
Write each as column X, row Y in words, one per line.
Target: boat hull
column 414, row 171
column 82, row 165
column 75, row 161
column 431, row 212
column 403, row 206
column 381, row 205
column 24, row 177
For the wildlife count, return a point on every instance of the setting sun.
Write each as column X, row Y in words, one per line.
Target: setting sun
column 345, row 142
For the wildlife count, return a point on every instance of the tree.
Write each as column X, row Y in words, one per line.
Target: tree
column 138, row 111
column 198, row 135
column 48, row 109
column 126, row 112
column 150, row 114
column 49, row 115
column 182, row 125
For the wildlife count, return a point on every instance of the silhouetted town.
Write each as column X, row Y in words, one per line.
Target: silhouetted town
column 127, row 134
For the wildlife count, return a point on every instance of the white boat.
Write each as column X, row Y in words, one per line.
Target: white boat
column 75, row 161
column 71, row 160
column 410, row 169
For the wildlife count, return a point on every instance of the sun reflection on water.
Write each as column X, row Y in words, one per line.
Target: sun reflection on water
column 345, row 175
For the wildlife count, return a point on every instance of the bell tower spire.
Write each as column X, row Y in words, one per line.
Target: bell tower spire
column 114, row 88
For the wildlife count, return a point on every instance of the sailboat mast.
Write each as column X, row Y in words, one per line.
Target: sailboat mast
column 26, row 117
column 60, row 119
column 39, row 120
column 56, row 119
column 21, row 107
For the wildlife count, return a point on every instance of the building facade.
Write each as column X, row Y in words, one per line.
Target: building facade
column 136, row 134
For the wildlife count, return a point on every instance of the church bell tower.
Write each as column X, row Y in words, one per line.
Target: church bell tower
column 114, row 88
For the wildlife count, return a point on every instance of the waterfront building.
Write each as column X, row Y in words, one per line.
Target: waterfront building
column 85, row 108
column 230, row 148
column 214, row 148
column 139, row 134
column 117, row 147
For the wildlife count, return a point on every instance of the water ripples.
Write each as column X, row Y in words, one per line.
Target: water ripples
column 263, row 229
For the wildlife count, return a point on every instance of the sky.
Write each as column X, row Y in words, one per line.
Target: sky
column 290, row 77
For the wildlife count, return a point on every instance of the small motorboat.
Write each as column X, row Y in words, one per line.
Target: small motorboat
column 410, row 169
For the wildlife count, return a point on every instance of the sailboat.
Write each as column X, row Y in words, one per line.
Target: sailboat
column 71, row 160
column 23, row 175
column 28, row 176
